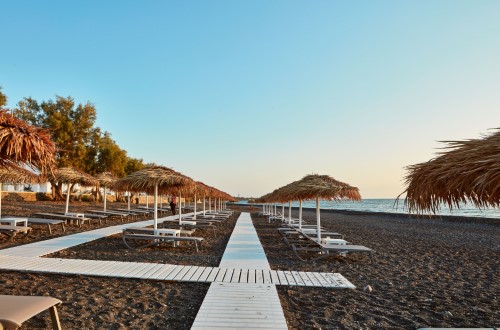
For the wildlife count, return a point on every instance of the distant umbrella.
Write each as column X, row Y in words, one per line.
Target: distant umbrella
column 23, row 144
column 466, row 172
column 105, row 179
column 71, row 176
column 153, row 179
column 15, row 174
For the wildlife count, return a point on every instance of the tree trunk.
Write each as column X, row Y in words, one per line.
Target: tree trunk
column 57, row 191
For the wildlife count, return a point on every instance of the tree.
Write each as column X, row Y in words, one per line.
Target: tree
column 72, row 128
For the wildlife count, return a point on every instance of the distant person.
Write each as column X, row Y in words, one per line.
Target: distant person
column 173, row 205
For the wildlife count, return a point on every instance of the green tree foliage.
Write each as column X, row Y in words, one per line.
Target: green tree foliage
column 80, row 144
column 72, row 126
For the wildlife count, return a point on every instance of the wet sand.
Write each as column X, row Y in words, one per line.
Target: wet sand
column 425, row 273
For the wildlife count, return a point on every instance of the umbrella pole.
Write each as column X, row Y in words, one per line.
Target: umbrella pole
column 203, row 204
column 209, row 204
column 0, row 199
column 128, row 194
column 318, row 220
column 161, row 201
column 194, row 217
column 156, row 209
column 282, row 212
column 147, row 202
column 104, row 198
column 300, row 214
column 289, row 212
column 180, row 208
column 68, row 190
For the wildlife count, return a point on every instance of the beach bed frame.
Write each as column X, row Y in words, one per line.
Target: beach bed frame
column 137, row 235
column 13, row 231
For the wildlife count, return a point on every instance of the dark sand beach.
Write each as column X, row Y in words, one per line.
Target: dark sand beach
column 108, row 303
column 424, row 273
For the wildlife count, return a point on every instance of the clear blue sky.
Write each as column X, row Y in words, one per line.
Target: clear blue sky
column 251, row 95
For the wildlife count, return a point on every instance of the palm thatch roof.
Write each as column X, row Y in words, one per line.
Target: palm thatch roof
column 147, row 178
column 70, row 175
column 105, row 178
column 313, row 186
column 21, row 143
column 16, row 174
column 466, row 171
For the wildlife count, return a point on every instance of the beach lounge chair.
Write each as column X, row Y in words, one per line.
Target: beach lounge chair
column 14, row 310
column 78, row 219
column 134, row 238
column 190, row 225
column 13, row 231
column 122, row 215
column 48, row 222
column 319, row 251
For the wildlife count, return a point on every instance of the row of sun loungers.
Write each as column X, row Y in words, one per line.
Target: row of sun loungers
column 305, row 245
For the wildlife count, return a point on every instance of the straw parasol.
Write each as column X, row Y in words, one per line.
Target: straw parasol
column 323, row 187
column 71, row 176
column 23, row 144
column 105, row 179
column 465, row 172
column 12, row 173
column 154, row 179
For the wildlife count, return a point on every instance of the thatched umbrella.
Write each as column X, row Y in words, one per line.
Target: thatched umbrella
column 23, row 144
column 324, row 187
column 106, row 179
column 71, row 176
column 12, row 173
column 153, row 178
column 467, row 171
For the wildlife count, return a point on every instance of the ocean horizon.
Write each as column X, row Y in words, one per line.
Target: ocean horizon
column 387, row 205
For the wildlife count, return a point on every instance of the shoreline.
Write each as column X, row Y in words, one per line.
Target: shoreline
column 453, row 218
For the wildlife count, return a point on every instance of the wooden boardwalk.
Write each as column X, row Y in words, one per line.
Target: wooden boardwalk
column 243, row 305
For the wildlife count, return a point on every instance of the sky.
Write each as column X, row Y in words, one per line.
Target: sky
column 248, row 96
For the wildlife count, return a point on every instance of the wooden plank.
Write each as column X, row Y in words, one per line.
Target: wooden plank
column 197, row 274
column 142, row 270
column 174, row 272
column 228, row 276
column 204, row 276
column 305, row 279
column 162, row 272
column 289, row 278
column 251, row 276
column 319, row 278
column 282, row 277
column 259, row 277
column 297, row 278
column 190, row 273
column 236, row 276
column 274, row 277
column 313, row 279
column 220, row 275
column 266, row 276
column 180, row 274
column 152, row 271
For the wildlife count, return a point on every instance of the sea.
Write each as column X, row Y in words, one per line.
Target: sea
column 395, row 206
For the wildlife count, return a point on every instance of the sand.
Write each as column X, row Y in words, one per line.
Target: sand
column 424, row 274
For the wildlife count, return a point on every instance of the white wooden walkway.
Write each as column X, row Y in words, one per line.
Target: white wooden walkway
column 242, row 306
column 42, row 248
column 244, row 261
